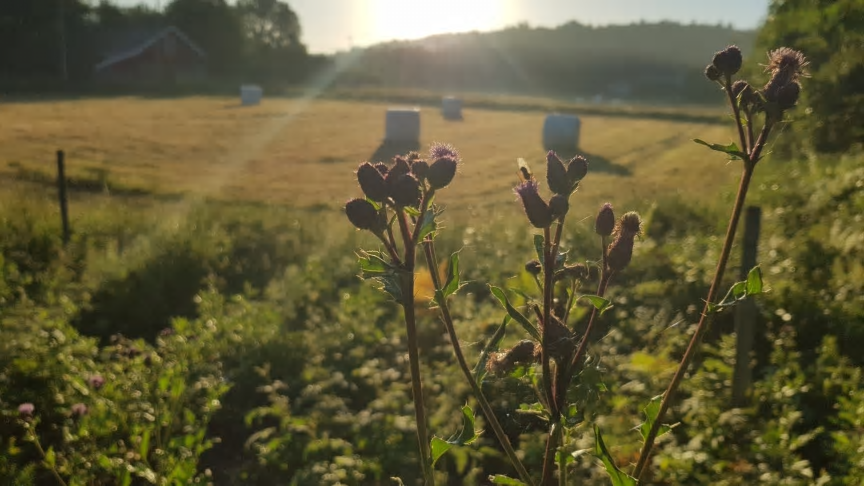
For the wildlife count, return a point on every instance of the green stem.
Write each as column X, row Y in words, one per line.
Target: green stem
column 414, row 352
column 645, row 454
column 429, row 249
column 51, row 468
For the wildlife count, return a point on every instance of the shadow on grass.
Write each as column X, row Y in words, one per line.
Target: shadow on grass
column 596, row 163
column 96, row 181
column 387, row 150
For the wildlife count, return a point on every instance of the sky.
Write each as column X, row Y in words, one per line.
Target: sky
column 331, row 25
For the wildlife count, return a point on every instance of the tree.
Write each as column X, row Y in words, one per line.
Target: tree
column 270, row 23
column 215, row 26
column 831, row 35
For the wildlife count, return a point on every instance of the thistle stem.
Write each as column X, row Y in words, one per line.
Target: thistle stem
column 39, row 448
column 749, row 167
column 550, row 253
column 413, row 350
column 429, row 248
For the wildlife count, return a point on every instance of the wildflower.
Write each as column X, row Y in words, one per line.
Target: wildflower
column 789, row 61
column 420, row 169
column 445, row 161
column 96, row 381
column 605, row 222
column 26, row 410
column 78, row 410
column 558, row 206
column 728, row 61
column 372, row 182
column 535, row 207
column 442, row 150
column 405, row 191
column 712, row 73
column 362, row 214
column 577, row 169
column 621, row 249
column 556, row 174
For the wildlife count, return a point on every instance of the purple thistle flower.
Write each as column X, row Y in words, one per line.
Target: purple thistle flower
column 78, row 410
column 440, row 150
column 96, row 381
column 535, row 207
column 26, row 410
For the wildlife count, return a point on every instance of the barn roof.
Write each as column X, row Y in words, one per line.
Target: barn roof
column 133, row 43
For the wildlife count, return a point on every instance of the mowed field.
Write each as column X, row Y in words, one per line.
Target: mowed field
column 302, row 153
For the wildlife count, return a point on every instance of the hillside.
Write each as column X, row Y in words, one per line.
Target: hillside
column 632, row 62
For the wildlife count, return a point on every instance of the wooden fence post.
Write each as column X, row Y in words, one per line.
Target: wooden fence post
column 745, row 312
column 61, row 192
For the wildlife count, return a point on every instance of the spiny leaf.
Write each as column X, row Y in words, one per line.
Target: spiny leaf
column 514, row 313
column 754, row 281
column 428, row 226
column 464, row 437
column 618, row 477
column 452, row 284
column 651, row 411
column 491, row 346
column 374, row 267
column 501, row 479
column 467, row 435
column 439, row 447
column 598, row 302
column 732, row 149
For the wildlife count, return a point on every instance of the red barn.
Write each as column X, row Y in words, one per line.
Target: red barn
column 167, row 56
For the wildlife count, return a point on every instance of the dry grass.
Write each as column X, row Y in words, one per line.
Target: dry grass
column 302, row 154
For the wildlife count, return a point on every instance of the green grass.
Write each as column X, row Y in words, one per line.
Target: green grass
column 300, row 153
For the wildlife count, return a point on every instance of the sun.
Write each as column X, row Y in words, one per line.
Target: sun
column 413, row 19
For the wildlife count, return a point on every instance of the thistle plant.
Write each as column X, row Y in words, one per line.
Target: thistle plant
column 399, row 209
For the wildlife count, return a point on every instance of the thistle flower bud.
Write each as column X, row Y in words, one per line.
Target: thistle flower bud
column 372, row 182
column 728, row 61
column 382, row 168
column 441, row 172
column 631, row 224
column 535, row 207
column 556, row 174
column 412, row 156
column 788, row 61
column 420, row 169
column 533, row 267
column 362, row 214
column 604, row 225
column 559, row 339
column 712, row 73
column 405, row 191
column 401, row 167
column 787, row 96
column 558, row 206
column 741, row 90
column 504, row 362
column 576, row 272
column 577, row 169
column 620, row 252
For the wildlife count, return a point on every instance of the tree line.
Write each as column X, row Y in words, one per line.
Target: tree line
column 53, row 41
column 659, row 61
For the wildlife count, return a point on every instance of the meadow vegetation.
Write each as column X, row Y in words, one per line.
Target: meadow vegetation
column 206, row 323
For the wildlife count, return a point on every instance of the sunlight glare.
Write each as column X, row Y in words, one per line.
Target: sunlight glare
column 413, row 19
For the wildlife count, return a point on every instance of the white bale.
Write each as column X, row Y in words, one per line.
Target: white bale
column 561, row 131
column 402, row 125
column 451, row 108
column 250, row 94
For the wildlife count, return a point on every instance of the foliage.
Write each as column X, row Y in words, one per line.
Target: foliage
column 832, row 34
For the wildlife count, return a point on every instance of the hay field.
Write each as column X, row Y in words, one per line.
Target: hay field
column 302, row 153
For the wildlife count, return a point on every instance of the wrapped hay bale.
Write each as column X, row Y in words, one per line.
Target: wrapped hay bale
column 402, row 125
column 561, row 132
column 250, row 94
column 451, row 108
